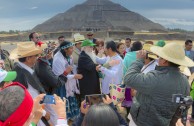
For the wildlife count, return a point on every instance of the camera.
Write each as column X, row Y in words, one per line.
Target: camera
column 182, row 100
column 184, row 103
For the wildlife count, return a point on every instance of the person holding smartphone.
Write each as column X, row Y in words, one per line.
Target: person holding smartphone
column 17, row 107
column 101, row 114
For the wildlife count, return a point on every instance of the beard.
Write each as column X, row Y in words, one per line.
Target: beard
column 91, row 55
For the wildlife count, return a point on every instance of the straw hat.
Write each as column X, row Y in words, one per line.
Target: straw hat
column 174, row 53
column 185, row 71
column 191, row 78
column 90, row 33
column 123, row 41
column 25, row 49
column 147, row 48
column 78, row 38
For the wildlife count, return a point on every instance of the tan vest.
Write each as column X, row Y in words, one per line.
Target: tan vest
column 75, row 57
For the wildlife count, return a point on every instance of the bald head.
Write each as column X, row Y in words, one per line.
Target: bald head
column 10, row 99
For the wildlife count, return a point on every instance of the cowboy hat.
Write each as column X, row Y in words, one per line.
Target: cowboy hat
column 150, row 54
column 174, row 53
column 191, row 78
column 185, row 71
column 90, row 33
column 25, row 49
column 78, row 38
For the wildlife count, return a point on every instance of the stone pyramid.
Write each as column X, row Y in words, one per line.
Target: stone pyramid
column 98, row 15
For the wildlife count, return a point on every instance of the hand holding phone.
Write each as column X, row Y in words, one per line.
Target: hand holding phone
column 94, row 99
column 107, row 100
column 60, row 107
column 48, row 99
column 84, row 107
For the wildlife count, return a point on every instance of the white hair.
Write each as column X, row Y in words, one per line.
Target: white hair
column 89, row 52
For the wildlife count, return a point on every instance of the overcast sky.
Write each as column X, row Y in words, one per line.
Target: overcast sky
column 25, row 14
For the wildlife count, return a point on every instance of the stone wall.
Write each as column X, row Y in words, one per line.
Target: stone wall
column 104, row 35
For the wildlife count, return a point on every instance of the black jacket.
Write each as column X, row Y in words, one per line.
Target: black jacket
column 46, row 76
column 90, row 83
column 25, row 77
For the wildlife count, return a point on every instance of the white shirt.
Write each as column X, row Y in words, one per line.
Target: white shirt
column 150, row 66
column 128, row 49
column 113, row 75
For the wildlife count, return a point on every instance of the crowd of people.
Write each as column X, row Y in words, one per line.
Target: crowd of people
column 69, row 71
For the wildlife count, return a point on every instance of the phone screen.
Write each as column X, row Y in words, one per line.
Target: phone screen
column 48, row 99
column 94, row 99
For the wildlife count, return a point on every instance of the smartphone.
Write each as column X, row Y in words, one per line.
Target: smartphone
column 48, row 99
column 94, row 99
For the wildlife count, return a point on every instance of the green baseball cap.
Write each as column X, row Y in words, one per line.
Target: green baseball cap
column 87, row 43
column 7, row 76
column 161, row 43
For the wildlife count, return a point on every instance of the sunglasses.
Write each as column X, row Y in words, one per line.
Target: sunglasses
column 37, row 37
column 90, row 35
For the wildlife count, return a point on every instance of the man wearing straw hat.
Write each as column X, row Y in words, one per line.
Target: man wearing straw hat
column 90, row 36
column 153, row 104
column 78, row 39
column 27, row 53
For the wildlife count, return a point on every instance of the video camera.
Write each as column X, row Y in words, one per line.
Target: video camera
column 185, row 102
column 180, row 99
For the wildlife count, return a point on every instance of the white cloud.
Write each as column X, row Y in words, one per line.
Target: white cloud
column 171, row 18
column 33, row 8
column 175, row 23
column 168, row 13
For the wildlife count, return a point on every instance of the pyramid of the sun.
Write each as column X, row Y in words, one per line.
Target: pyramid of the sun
column 100, row 15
